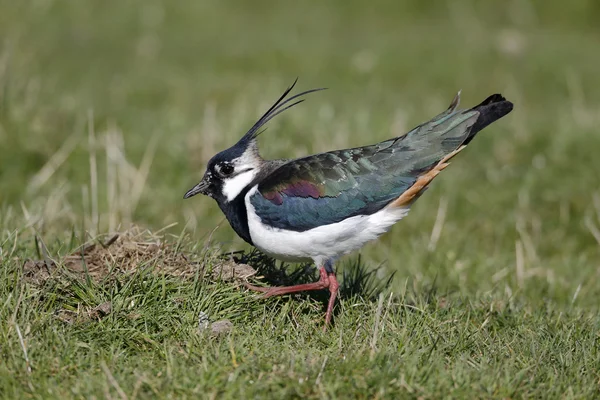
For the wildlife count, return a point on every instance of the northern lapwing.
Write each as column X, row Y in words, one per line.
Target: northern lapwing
column 321, row 207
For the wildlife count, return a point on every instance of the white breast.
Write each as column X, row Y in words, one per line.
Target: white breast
column 323, row 242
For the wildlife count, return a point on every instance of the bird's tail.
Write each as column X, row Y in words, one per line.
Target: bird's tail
column 454, row 129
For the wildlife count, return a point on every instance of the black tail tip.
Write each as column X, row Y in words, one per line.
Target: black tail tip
column 494, row 107
column 495, row 98
column 490, row 110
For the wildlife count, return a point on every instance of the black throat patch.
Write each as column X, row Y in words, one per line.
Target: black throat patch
column 237, row 215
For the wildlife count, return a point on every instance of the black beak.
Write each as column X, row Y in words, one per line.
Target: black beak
column 199, row 188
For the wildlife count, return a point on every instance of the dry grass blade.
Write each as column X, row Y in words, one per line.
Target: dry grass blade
column 376, row 326
column 113, row 382
column 589, row 223
column 22, row 343
column 93, row 174
column 438, row 226
column 57, row 159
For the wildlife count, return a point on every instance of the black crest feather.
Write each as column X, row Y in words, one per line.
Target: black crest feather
column 280, row 106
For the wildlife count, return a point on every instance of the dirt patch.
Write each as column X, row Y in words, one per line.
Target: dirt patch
column 38, row 272
column 125, row 253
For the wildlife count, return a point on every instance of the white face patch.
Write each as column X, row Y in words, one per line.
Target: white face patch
column 233, row 186
column 245, row 168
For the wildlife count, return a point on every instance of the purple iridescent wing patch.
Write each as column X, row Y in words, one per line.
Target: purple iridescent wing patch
column 303, row 189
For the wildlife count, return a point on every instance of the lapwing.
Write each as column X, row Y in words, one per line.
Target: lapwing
column 321, row 207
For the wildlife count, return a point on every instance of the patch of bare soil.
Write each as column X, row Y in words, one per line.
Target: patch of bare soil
column 126, row 252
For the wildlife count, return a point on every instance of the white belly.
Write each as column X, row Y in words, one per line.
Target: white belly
column 321, row 243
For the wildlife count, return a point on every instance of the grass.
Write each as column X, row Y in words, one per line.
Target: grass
column 109, row 113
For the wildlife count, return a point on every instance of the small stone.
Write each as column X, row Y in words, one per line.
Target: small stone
column 101, row 310
column 104, row 308
column 221, row 327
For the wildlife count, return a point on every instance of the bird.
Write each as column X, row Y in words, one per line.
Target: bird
column 321, row 207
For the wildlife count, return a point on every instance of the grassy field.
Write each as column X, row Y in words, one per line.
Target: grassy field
column 110, row 110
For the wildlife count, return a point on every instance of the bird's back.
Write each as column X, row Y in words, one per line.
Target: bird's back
column 329, row 187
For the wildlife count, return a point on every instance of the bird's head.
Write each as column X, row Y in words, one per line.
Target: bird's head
column 231, row 171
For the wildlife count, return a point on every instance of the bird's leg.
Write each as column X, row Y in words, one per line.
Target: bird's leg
column 323, row 283
column 333, row 290
column 328, row 280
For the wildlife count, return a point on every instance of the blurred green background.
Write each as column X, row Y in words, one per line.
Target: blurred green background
column 110, row 110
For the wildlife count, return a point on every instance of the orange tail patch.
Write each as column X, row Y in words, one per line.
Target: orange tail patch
column 409, row 195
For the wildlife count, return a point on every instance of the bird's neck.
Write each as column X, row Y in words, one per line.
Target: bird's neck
column 236, row 214
column 235, row 210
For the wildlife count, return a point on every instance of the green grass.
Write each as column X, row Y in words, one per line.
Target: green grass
column 109, row 112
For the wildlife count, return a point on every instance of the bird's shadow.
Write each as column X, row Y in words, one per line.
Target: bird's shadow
column 357, row 278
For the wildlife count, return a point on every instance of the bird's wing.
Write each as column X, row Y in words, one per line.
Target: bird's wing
column 326, row 188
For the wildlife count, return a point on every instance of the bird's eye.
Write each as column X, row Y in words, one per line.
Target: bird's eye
column 225, row 169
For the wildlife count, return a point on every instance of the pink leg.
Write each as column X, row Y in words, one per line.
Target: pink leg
column 333, row 290
column 327, row 280
column 322, row 283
